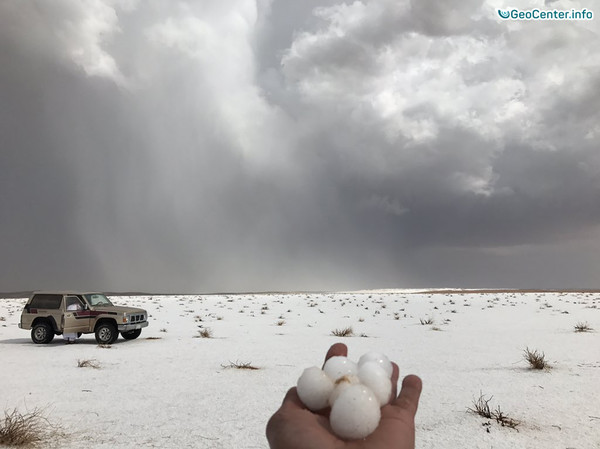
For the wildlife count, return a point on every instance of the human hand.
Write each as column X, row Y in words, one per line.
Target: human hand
column 294, row 426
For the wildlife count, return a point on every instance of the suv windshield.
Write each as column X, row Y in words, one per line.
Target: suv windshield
column 97, row 299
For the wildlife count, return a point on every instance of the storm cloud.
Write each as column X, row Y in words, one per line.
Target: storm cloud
column 281, row 145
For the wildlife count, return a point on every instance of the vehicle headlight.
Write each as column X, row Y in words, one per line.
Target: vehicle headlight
column 125, row 319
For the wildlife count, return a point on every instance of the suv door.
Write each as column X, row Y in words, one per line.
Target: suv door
column 75, row 317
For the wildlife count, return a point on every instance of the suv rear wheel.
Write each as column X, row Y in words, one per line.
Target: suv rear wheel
column 42, row 333
column 131, row 335
column 106, row 334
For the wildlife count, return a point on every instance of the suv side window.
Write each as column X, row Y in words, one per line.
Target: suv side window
column 73, row 303
column 45, row 301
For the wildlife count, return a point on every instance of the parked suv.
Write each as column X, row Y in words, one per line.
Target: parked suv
column 49, row 314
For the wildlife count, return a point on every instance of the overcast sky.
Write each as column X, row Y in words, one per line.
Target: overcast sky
column 231, row 145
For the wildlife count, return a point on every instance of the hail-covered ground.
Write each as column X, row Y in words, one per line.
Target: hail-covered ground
column 173, row 388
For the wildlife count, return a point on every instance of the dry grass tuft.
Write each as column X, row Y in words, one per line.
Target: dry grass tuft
column 345, row 332
column 88, row 363
column 103, row 346
column 153, row 338
column 26, row 430
column 583, row 327
column 426, row 321
column 205, row 333
column 536, row 359
column 280, row 322
column 481, row 407
column 241, row 365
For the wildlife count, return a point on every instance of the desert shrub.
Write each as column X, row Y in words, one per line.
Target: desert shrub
column 280, row 322
column 88, row 363
column 481, row 407
column 205, row 333
column 582, row 327
column 536, row 359
column 426, row 321
column 26, row 430
column 241, row 365
column 345, row 332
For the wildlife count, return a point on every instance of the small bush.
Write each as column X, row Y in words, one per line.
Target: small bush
column 88, row 363
column 583, row 327
column 426, row 321
column 345, row 332
column 27, row 430
column 481, row 407
column 205, row 333
column 241, row 365
column 536, row 359
column 163, row 330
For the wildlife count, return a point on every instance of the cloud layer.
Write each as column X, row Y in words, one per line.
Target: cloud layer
column 260, row 145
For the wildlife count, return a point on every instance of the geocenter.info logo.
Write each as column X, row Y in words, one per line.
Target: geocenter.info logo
column 555, row 14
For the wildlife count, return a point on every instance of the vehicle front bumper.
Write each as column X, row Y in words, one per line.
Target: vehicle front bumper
column 132, row 327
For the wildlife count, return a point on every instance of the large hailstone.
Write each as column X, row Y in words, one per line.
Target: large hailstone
column 374, row 376
column 340, row 366
column 314, row 388
column 378, row 357
column 340, row 385
column 355, row 414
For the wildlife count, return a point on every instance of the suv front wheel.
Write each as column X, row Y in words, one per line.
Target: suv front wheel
column 42, row 333
column 106, row 334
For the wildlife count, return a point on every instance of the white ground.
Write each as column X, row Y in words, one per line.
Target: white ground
column 173, row 392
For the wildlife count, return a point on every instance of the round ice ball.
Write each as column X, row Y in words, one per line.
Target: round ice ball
column 379, row 358
column 340, row 366
column 355, row 414
column 314, row 388
column 374, row 376
column 340, row 385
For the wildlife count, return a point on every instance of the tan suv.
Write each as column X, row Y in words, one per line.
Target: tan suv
column 49, row 314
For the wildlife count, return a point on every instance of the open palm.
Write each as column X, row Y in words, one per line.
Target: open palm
column 293, row 426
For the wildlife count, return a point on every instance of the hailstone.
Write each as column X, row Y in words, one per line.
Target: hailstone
column 314, row 388
column 340, row 366
column 379, row 358
column 355, row 414
column 340, row 385
column 374, row 376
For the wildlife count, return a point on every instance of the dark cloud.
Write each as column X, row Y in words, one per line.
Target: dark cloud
column 295, row 145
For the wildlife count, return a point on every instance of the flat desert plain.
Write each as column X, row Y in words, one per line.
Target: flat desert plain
column 174, row 388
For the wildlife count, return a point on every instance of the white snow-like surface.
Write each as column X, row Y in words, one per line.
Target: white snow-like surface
column 174, row 391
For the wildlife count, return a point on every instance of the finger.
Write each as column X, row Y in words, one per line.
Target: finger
column 408, row 399
column 338, row 349
column 394, row 379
